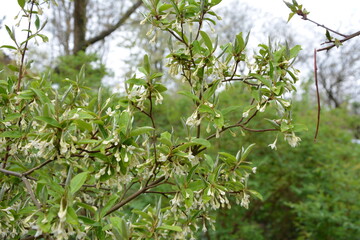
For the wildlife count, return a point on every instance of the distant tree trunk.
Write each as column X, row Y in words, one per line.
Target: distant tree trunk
column 80, row 25
column 80, row 29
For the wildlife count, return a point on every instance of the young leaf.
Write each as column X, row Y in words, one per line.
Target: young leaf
column 21, row 3
column 170, row 228
column 202, row 142
column 51, row 121
column 77, row 182
column 146, row 64
column 11, row 134
column 207, row 40
column 140, row 131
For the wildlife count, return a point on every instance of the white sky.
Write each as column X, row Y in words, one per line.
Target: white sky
column 341, row 15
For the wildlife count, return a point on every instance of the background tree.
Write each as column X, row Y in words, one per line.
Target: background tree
column 88, row 22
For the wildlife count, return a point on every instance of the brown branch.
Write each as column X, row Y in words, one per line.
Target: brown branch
column 341, row 40
column 37, row 167
column 112, row 28
column 323, row 26
column 6, row 157
column 21, row 70
column 317, row 95
column 7, row 172
column 135, row 195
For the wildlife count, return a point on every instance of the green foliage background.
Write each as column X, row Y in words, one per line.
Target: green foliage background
column 310, row 192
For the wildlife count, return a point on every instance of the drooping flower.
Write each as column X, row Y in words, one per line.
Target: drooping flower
column 292, row 139
column 245, row 201
column 273, row 145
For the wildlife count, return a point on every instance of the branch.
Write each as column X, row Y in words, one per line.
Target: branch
column 37, row 167
column 341, row 40
column 323, row 26
column 7, row 172
column 135, row 195
column 345, row 37
column 21, row 70
column 318, row 96
column 6, row 156
column 112, row 28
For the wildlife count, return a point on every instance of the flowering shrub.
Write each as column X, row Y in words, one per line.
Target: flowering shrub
column 74, row 165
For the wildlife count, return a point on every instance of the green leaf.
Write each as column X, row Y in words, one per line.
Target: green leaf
column 299, row 128
column 51, row 121
column 140, row 131
column 290, row 16
column 246, row 152
column 112, row 200
column 84, row 126
column 86, row 206
column 215, row 2
column 9, row 47
column 265, row 81
column 41, row 95
column 170, row 228
column 137, row 81
column 166, row 139
column 147, row 64
column 228, row 158
column 11, row 117
column 45, row 39
column 88, row 221
column 77, row 182
column 11, row 33
column 205, row 109
column 294, row 51
column 207, row 40
column 21, row 3
column 190, row 95
column 119, row 227
column 160, row 87
column 156, row 75
column 202, row 142
column 37, row 22
column 164, row 7
column 239, row 44
column 328, row 36
column 11, row 134
column 71, row 216
column 256, row 194
column 88, row 141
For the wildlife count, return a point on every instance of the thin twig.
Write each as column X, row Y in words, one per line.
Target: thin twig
column 6, row 157
column 37, row 167
column 323, row 26
column 25, row 48
column 317, row 95
column 341, row 40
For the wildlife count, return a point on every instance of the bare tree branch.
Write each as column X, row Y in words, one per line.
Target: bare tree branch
column 318, row 96
column 112, row 28
column 341, row 40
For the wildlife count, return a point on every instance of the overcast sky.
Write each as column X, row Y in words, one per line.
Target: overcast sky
column 341, row 15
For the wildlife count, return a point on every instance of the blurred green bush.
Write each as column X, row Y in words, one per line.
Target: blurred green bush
column 310, row 192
